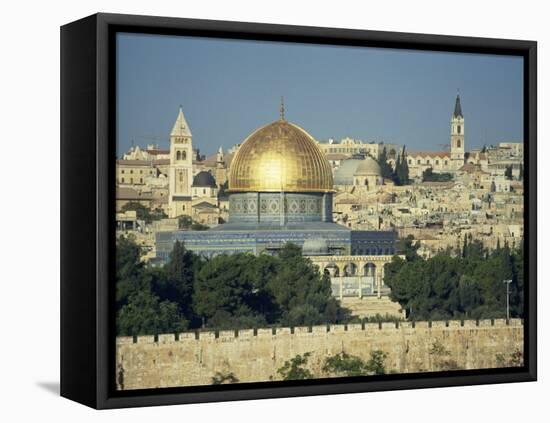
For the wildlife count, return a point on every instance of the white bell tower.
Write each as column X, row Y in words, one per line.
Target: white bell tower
column 457, row 135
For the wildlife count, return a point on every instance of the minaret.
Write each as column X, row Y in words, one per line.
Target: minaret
column 221, row 170
column 180, row 175
column 457, row 135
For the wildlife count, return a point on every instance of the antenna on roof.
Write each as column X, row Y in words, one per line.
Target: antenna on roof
column 282, row 109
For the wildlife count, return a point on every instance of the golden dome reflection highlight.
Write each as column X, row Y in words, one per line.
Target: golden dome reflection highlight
column 279, row 157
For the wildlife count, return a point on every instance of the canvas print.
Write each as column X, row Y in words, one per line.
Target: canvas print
column 290, row 211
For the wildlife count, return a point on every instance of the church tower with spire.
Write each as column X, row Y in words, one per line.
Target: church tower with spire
column 180, row 175
column 457, row 135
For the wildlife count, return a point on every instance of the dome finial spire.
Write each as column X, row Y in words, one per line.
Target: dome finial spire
column 282, row 109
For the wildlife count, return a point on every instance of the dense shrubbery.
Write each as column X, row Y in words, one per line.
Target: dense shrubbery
column 466, row 285
column 430, row 176
column 144, row 213
column 225, row 292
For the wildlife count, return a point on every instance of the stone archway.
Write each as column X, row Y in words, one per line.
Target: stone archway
column 332, row 270
column 350, row 269
column 372, row 279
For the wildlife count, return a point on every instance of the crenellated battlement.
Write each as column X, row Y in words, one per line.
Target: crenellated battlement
column 253, row 355
column 305, row 331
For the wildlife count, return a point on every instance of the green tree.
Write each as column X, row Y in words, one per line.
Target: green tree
column 376, row 365
column 184, row 222
column 469, row 285
column 405, row 168
column 295, row 368
column 508, row 172
column 343, row 365
column 401, row 172
column 175, row 281
column 144, row 314
column 143, row 212
column 408, row 247
column 224, row 378
column 225, row 284
column 302, row 294
column 196, row 226
column 469, row 294
column 222, row 192
column 129, row 269
column 385, row 168
column 429, row 175
column 441, row 357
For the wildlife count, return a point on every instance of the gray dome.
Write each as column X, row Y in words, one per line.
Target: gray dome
column 315, row 247
column 344, row 174
column 368, row 167
column 204, row 180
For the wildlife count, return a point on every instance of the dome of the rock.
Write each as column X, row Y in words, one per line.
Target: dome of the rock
column 280, row 157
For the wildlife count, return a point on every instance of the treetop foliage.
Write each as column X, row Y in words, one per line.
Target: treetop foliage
column 469, row 285
column 224, row 292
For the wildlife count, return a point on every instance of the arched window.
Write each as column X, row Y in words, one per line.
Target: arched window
column 458, row 128
column 418, row 162
column 178, row 155
column 458, row 143
column 183, row 155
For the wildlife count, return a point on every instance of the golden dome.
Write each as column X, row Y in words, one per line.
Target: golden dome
column 278, row 157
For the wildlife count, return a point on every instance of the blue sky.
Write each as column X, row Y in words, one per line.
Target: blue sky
column 228, row 88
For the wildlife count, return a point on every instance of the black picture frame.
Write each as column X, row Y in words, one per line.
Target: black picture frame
column 87, row 208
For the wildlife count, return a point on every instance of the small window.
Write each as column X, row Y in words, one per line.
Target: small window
column 122, row 180
column 140, row 180
column 458, row 129
column 418, row 162
column 437, row 162
column 122, row 171
column 178, row 155
column 458, row 143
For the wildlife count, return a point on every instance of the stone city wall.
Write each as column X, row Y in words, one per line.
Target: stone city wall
column 193, row 358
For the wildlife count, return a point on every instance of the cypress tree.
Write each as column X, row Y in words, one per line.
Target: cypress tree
column 397, row 171
column 405, row 170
